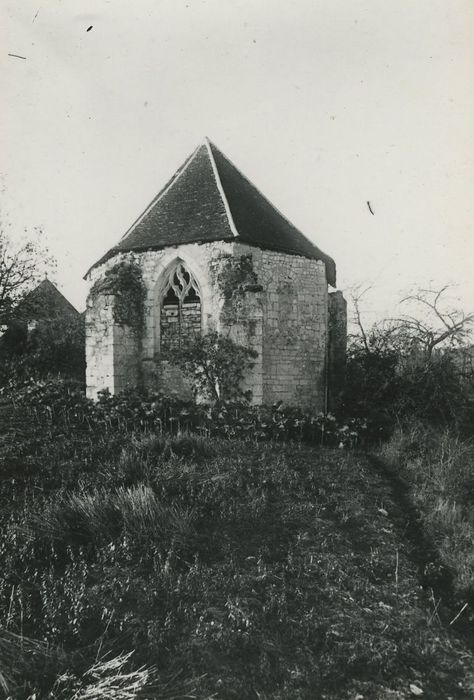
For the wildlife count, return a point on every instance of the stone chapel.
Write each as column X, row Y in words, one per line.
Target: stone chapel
column 214, row 254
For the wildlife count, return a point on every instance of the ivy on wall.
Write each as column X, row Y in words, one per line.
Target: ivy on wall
column 124, row 282
column 235, row 274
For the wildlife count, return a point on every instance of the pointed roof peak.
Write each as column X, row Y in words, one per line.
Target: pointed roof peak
column 46, row 301
column 209, row 199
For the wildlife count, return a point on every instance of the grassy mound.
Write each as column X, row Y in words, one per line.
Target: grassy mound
column 211, row 569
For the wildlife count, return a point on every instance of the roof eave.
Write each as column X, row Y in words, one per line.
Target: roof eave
column 329, row 263
column 116, row 250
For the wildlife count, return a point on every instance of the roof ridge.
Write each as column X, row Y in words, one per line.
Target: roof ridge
column 220, row 188
column 162, row 192
column 321, row 255
column 213, row 145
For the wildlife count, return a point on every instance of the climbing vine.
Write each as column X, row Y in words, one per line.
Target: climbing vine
column 125, row 282
column 235, row 274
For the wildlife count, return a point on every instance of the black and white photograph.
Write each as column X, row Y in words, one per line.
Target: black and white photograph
column 237, row 350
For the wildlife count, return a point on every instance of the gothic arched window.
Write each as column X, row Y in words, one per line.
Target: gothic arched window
column 180, row 309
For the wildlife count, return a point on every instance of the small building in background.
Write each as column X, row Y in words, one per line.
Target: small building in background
column 45, row 303
column 44, row 336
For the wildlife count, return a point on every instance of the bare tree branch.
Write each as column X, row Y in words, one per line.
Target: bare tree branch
column 435, row 326
column 356, row 296
column 22, row 266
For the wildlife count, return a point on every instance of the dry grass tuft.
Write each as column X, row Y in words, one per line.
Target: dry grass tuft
column 107, row 678
column 103, row 515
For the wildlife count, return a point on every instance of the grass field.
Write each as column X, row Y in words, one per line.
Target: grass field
column 138, row 566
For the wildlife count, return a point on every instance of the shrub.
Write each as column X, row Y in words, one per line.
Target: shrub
column 433, row 391
column 54, row 347
column 216, row 366
column 372, row 389
column 388, row 389
column 63, row 403
column 57, row 347
column 412, row 367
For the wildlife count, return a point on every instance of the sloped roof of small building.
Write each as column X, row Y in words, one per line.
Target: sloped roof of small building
column 209, row 199
column 45, row 302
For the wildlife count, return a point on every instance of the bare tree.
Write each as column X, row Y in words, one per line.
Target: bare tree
column 356, row 295
column 377, row 338
column 24, row 262
column 435, row 325
column 431, row 325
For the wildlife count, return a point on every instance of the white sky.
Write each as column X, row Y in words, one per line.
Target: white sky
column 323, row 104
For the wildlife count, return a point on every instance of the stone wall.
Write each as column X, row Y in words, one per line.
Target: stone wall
column 337, row 346
column 105, row 369
column 111, row 349
column 294, row 336
column 127, row 371
column 275, row 303
column 100, row 345
column 241, row 318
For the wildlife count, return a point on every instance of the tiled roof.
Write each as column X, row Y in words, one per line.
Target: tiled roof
column 45, row 302
column 208, row 199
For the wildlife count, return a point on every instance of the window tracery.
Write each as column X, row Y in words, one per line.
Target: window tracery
column 180, row 310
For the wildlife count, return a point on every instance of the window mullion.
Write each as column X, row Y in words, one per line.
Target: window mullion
column 180, row 319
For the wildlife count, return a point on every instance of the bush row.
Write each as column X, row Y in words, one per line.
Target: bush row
column 63, row 402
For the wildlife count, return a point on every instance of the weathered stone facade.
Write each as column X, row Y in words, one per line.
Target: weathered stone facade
column 282, row 313
column 215, row 255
